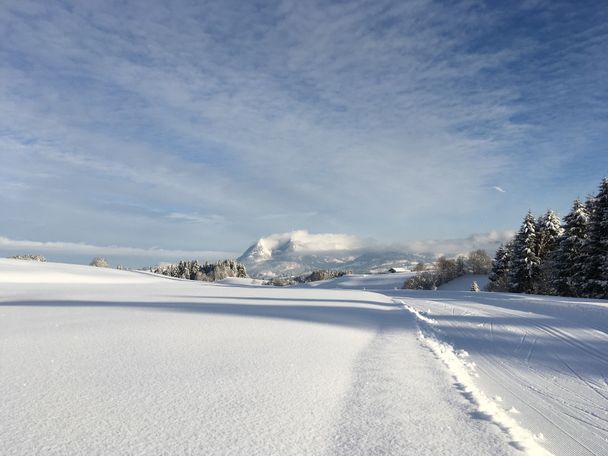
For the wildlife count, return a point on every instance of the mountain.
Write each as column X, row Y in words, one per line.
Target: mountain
column 299, row 251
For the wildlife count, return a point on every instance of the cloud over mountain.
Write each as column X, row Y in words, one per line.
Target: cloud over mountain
column 300, row 251
column 487, row 241
column 301, row 242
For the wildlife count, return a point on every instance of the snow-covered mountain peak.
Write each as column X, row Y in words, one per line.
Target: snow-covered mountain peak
column 300, row 242
column 257, row 252
column 299, row 251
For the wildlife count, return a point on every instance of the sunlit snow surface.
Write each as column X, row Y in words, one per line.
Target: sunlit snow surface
column 96, row 361
column 542, row 359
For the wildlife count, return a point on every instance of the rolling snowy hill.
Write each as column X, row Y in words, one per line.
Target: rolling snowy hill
column 99, row 361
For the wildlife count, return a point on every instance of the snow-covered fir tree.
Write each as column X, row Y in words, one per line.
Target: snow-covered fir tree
column 595, row 248
column 548, row 231
column 208, row 272
column 567, row 257
column 524, row 264
column 546, row 258
column 475, row 286
column 499, row 276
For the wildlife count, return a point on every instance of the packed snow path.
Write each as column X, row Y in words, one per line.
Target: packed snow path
column 543, row 359
column 97, row 361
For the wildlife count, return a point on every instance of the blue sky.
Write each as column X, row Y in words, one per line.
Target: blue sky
column 192, row 125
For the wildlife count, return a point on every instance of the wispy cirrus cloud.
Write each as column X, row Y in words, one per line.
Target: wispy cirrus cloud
column 389, row 119
column 62, row 249
column 195, row 218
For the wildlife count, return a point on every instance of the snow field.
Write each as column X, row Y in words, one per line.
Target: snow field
column 370, row 282
column 464, row 373
column 540, row 359
column 149, row 365
column 463, row 283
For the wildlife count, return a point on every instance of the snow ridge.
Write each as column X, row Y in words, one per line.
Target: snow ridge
column 464, row 373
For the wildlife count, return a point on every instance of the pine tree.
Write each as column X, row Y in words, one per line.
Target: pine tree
column 548, row 232
column 567, row 257
column 499, row 276
column 595, row 248
column 549, row 229
column 524, row 263
column 474, row 286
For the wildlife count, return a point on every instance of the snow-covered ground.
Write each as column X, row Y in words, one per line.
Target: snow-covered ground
column 96, row 361
column 535, row 365
column 368, row 282
column 542, row 359
column 463, row 283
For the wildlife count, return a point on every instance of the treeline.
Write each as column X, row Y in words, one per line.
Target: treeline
column 207, row 272
column 476, row 262
column 315, row 276
column 548, row 257
column 29, row 257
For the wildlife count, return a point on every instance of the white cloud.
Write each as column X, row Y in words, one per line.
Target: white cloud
column 375, row 117
column 487, row 241
column 299, row 241
column 195, row 218
column 303, row 241
column 68, row 248
column 290, row 215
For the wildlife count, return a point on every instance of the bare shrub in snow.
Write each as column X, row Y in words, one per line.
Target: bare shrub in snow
column 423, row 281
column 419, row 267
column 99, row 262
column 315, row 276
column 281, row 281
column 479, row 262
column 445, row 270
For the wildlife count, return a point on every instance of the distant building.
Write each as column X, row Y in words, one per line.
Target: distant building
column 393, row 270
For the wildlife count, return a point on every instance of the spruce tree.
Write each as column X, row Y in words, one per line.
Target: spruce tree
column 499, row 276
column 548, row 232
column 524, row 264
column 549, row 229
column 568, row 254
column 595, row 249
